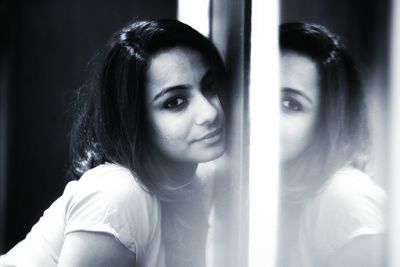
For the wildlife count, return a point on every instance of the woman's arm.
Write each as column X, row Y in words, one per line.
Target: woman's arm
column 362, row 251
column 94, row 249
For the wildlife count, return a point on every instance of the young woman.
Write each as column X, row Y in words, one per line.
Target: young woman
column 151, row 112
column 332, row 212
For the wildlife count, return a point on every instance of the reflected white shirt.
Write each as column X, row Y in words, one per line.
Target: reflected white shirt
column 351, row 205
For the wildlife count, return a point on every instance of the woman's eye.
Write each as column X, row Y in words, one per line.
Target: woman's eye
column 292, row 105
column 175, row 103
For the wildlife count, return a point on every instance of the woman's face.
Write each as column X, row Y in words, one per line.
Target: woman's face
column 299, row 103
column 186, row 118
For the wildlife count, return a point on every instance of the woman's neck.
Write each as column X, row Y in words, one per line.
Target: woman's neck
column 180, row 172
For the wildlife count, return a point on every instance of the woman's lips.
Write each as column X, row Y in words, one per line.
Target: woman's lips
column 211, row 137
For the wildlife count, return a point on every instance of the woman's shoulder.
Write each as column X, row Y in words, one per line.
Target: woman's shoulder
column 351, row 191
column 349, row 197
column 112, row 187
column 350, row 183
column 107, row 171
column 113, row 180
column 350, row 205
column 109, row 199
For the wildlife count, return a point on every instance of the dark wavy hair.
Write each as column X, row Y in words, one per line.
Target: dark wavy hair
column 111, row 123
column 341, row 132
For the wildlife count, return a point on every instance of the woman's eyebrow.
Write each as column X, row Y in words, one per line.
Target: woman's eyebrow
column 204, row 80
column 297, row 92
column 169, row 89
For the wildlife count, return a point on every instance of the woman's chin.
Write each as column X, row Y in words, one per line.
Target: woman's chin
column 212, row 154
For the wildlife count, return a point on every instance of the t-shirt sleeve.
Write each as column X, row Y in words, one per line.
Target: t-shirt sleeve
column 109, row 200
column 350, row 206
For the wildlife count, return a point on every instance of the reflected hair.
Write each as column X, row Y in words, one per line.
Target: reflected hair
column 341, row 132
column 111, row 124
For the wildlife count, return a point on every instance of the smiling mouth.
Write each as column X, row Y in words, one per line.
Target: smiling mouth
column 212, row 136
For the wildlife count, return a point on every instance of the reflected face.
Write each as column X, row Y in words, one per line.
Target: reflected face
column 299, row 103
column 185, row 113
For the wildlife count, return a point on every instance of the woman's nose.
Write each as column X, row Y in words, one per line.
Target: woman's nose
column 207, row 110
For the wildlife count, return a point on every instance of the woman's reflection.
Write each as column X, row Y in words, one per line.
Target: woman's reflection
column 332, row 212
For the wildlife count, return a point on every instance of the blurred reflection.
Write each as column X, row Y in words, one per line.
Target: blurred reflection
column 332, row 211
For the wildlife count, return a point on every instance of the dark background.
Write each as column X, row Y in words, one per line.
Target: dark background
column 363, row 25
column 44, row 50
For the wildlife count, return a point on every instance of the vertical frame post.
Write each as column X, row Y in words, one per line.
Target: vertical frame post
column 264, row 134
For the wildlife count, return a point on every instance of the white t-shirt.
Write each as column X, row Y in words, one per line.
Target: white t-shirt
column 351, row 205
column 106, row 199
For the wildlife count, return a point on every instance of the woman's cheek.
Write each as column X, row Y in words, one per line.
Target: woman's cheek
column 172, row 129
column 295, row 131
